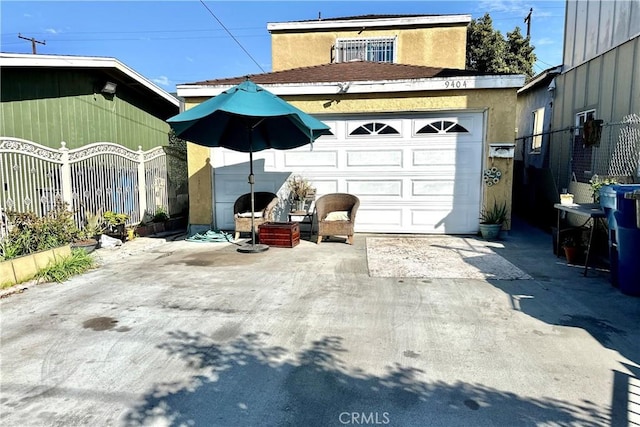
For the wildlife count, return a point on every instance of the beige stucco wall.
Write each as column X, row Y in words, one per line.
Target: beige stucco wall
column 441, row 46
column 497, row 104
column 200, row 180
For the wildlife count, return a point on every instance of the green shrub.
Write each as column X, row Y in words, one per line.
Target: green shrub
column 77, row 263
column 30, row 233
column 160, row 215
column 112, row 218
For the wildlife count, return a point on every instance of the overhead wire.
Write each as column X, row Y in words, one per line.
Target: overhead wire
column 232, row 36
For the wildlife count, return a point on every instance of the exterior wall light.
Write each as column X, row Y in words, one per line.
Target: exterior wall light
column 109, row 87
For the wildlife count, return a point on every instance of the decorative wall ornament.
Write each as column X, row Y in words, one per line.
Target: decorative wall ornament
column 492, row 176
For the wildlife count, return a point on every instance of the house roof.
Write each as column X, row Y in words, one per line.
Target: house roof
column 109, row 65
column 544, row 78
column 355, row 71
column 358, row 77
column 369, row 21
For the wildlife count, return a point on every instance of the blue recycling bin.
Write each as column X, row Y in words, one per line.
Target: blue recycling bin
column 624, row 236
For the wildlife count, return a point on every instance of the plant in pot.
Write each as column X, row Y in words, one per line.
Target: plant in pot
column 491, row 220
column 88, row 237
column 571, row 247
column 115, row 224
column 299, row 189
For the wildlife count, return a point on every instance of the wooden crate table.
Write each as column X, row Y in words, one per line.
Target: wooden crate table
column 279, row 234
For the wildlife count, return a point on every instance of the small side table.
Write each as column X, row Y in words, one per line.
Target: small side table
column 307, row 218
column 590, row 211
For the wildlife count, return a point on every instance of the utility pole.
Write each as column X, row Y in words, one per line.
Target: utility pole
column 33, row 42
column 527, row 20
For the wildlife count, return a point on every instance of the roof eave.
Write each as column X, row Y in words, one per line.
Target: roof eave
column 551, row 72
column 370, row 23
column 358, row 87
column 29, row 60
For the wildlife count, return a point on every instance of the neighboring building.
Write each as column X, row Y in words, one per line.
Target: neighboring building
column 600, row 80
column 599, row 83
column 77, row 125
column 81, row 100
column 534, row 112
column 412, row 130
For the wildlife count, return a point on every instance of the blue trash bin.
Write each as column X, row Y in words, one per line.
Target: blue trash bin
column 621, row 217
column 629, row 260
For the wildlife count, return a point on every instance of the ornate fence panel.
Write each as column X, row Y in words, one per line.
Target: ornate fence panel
column 155, row 168
column 104, row 177
column 97, row 178
column 31, row 176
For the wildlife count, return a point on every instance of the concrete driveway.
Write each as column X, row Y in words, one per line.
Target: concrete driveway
column 197, row 334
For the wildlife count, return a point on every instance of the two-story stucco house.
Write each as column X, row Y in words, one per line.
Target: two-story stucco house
column 412, row 129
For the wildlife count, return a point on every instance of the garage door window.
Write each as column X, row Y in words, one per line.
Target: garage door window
column 442, row 126
column 374, row 128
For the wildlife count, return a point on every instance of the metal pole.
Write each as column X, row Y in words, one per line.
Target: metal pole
column 253, row 247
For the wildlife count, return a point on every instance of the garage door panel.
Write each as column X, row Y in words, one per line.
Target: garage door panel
column 436, row 156
column 377, row 158
column 315, row 159
column 458, row 188
column 225, row 215
column 454, row 221
column 326, row 186
column 379, row 219
column 229, row 159
column 432, row 187
column 378, row 188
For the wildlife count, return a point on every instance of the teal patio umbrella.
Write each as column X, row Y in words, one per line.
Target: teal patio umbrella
column 248, row 118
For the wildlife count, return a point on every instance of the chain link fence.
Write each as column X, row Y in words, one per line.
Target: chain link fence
column 569, row 160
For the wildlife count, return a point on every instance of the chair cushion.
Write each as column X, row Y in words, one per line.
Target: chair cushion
column 248, row 214
column 337, row 216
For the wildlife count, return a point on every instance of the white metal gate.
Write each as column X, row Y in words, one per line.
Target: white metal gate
column 98, row 177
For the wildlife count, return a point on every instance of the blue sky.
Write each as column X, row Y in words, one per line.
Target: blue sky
column 173, row 42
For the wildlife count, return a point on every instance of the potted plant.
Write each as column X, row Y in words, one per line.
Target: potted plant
column 115, row 224
column 299, row 189
column 492, row 219
column 571, row 247
column 88, row 237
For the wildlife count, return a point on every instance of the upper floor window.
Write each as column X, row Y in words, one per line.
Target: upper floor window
column 374, row 128
column 443, row 126
column 375, row 49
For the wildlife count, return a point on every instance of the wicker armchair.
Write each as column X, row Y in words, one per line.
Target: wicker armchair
column 264, row 203
column 336, row 213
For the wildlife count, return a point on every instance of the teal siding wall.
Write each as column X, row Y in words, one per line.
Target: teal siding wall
column 53, row 105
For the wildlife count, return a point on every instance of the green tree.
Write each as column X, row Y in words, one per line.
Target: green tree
column 489, row 52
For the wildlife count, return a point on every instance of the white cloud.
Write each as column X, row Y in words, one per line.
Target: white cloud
column 52, row 31
column 511, row 6
column 544, row 41
column 190, row 59
column 162, row 81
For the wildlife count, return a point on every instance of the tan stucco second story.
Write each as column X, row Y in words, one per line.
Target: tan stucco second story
column 429, row 40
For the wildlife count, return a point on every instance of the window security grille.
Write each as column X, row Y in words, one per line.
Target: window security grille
column 370, row 49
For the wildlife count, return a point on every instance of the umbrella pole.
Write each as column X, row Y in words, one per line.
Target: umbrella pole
column 253, row 247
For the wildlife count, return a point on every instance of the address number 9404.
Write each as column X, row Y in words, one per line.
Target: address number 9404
column 455, row 84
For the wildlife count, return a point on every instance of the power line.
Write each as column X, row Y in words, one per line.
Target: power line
column 231, row 35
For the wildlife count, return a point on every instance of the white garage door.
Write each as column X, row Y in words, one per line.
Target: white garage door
column 412, row 173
